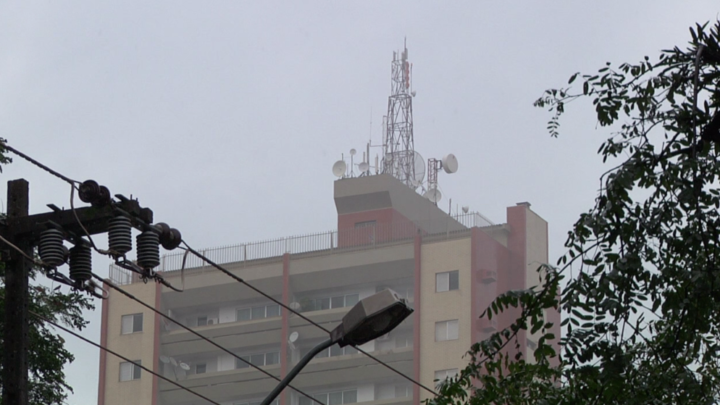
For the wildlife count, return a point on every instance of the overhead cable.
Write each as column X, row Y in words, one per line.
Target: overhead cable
column 150, row 307
column 222, row 269
column 264, row 294
column 44, row 319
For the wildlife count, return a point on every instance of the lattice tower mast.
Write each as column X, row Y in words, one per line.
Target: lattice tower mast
column 398, row 145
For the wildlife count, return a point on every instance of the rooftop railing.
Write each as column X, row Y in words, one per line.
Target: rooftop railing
column 357, row 238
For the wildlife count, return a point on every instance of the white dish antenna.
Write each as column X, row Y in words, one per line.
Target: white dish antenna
column 165, row 359
column 364, row 167
column 293, row 337
column 339, row 168
column 465, row 209
column 295, row 306
column 173, row 362
column 184, row 366
column 450, row 163
column 433, row 194
column 419, row 170
column 352, row 152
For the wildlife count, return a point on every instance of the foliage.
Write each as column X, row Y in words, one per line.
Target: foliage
column 641, row 303
column 47, row 354
column 3, row 156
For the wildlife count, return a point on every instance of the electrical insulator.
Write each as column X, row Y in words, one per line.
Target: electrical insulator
column 120, row 235
column 170, row 238
column 81, row 262
column 91, row 192
column 51, row 249
column 148, row 249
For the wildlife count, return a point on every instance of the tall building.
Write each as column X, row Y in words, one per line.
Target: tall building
column 449, row 268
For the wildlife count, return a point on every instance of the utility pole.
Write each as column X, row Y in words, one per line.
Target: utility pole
column 15, row 365
column 23, row 230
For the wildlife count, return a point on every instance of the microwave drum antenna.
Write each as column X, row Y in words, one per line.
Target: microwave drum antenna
column 339, row 168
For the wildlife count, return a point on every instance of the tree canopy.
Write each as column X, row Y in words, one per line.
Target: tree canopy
column 640, row 280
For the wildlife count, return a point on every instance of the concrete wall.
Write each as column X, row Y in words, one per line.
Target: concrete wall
column 435, row 307
column 136, row 346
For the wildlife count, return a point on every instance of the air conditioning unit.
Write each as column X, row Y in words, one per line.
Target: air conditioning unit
column 489, row 276
column 212, row 321
column 488, row 325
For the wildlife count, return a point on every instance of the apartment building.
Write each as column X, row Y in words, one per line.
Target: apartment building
column 448, row 267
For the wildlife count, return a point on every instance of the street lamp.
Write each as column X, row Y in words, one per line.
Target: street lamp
column 369, row 319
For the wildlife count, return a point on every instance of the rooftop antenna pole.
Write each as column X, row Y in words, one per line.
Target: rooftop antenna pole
column 399, row 145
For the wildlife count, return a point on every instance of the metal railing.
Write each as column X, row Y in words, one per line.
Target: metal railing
column 363, row 237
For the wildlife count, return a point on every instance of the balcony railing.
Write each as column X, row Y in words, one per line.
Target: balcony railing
column 364, row 237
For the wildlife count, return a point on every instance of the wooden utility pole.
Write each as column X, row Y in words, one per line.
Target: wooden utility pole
column 15, row 365
column 23, row 230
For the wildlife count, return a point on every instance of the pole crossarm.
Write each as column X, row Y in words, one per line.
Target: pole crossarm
column 95, row 220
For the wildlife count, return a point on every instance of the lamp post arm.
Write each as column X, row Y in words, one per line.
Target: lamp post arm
column 295, row 370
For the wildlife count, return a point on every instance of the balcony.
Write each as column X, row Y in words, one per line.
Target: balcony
column 340, row 370
column 221, row 386
column 356, row 367
column 231, row 335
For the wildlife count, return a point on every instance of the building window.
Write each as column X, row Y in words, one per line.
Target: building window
column 200, row 368
column 258, row 402
column 365, row 224
column 132, row 323
column 130, row 371
column 335, row 350
column 447, row 281
column 442, row 375
column 403, row 390
column 446, row 330
column 259, row 312
column 339, row 301
column 331, row 398
column 259, row 359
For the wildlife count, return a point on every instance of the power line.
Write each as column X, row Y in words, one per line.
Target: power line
column 132, row 297
column 264, row 294
column 44, row 319
column 37, row 263
column 228, row 273
column 38, row 164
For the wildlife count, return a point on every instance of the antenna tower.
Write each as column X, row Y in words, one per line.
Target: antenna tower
column 398, row 145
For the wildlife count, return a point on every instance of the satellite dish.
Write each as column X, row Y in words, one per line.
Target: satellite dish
column 339, row 168
column 364, row 166
column 352, row 152
column 419, row 170
column 465, row 209
column 184, row 366
column 433, row 194
column 295, row 306
column 450, row 163
column 173, row 362
column 293, row 337
column 165, row 359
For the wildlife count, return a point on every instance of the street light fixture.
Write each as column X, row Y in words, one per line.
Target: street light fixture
column 369, row 319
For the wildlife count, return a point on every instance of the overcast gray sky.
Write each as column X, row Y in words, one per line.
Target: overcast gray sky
column 226, row 117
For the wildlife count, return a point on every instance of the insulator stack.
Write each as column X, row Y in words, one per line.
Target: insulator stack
column 81, row 262
column 148, row 249
column 51, row 248
column 120, row 235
